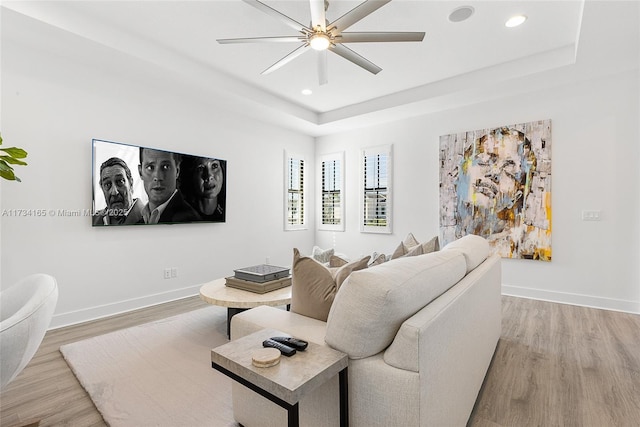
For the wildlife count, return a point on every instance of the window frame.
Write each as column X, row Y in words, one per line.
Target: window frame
column 339, row 185
column 288, row 156
column 386, row 150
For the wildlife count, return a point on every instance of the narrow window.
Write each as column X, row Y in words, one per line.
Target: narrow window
column 332, row 192
column 376, row 190
column 294, row 192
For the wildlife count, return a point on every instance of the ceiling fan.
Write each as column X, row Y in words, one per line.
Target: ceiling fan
column 323, row 36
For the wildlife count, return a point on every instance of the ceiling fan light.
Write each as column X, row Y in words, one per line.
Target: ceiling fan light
column 319, row 42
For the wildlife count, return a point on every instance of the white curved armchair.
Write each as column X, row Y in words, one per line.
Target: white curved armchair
column 26, row 309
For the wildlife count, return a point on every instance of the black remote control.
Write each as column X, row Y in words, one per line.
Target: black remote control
column 284, row 349
column 296, row 343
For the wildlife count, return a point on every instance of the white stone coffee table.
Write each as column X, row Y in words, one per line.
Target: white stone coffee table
column 288, row 381
column 237, row 300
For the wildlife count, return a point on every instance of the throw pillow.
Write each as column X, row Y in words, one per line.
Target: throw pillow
column 343, row 272
column 432, row 245
column 377, row 259
column 312, row 287
column 425, row 248
column 416, row 250
column 405, row 246
column 321, row 255
column 336, row 261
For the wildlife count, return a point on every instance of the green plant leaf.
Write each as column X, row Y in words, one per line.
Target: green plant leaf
column 13, row 154
column 8, row 175
column 13, row 161
column 16, row 153
column 4, row 166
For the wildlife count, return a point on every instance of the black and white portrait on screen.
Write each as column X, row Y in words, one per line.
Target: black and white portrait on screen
column 135, row 185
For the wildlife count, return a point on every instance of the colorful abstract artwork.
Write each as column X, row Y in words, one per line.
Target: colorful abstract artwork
column 496, row 183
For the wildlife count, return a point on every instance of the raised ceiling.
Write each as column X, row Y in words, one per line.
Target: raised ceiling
column 182, row 35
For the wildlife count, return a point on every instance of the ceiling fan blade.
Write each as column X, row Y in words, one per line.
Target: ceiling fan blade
column 278, row 15
column 277, row 39
column 290, row 57
column 356, row 14
column 318, row 17
column 350, row 55
column 323, row 74
column 380, row 37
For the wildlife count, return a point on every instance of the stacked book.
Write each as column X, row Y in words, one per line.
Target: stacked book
column 260, row 278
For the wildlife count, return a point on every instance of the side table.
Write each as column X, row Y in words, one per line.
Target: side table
column 288, row 381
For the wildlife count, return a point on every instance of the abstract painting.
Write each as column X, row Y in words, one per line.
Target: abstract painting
column 496, row 183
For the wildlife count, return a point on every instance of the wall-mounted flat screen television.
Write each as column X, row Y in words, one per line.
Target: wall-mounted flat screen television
column 135, row 185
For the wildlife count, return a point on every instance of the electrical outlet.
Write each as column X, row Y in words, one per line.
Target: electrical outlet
column 167, row 273
column 266, row 261
column 174, row 272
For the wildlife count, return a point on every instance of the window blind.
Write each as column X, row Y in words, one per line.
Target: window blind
column 331, row 194
column 295, row 191
column 375, row 206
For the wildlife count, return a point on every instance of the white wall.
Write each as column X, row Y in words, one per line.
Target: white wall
column 59, row 92
column 595, row 154
column 54, row 103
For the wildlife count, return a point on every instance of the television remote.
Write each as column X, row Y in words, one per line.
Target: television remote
column 284, row 349
column 296, row 343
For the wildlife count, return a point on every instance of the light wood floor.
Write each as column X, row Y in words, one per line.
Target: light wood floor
column 562, row 365
column 555, row 365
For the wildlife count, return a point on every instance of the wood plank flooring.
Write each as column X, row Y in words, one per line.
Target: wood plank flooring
column 562, row 365
column 555, row 365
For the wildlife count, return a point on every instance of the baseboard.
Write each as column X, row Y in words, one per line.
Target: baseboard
column 98, row 312
column 573, row 299
column 93, row 313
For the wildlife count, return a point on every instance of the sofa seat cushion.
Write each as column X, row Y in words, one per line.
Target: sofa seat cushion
column 265, row 317
column 371, row 304
column 474, row 248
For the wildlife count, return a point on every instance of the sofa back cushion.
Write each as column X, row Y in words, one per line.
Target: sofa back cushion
column 474, row 248
column 371, row 304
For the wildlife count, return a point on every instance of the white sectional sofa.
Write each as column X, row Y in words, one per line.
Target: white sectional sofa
column 420, row 333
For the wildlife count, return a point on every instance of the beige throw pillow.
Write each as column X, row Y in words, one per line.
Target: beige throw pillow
column 336, row 261
column 312, row 287
column 378, row 259
column 432, row 245
column 343, row 272
column 405, row 246
column 416, row 250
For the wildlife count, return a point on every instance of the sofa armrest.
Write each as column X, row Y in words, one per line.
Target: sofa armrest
column 460, row 342
column 297, row 325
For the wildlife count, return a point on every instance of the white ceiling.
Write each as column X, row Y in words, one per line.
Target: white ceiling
column 181, row 36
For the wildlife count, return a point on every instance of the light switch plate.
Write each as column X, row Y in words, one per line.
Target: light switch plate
column 591, row 215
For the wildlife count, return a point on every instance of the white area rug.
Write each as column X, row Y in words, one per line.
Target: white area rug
column 157, row 374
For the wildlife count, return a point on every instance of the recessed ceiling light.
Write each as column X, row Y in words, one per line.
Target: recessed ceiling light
column 461, row 13
column 514, row 21
column 307, row 91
